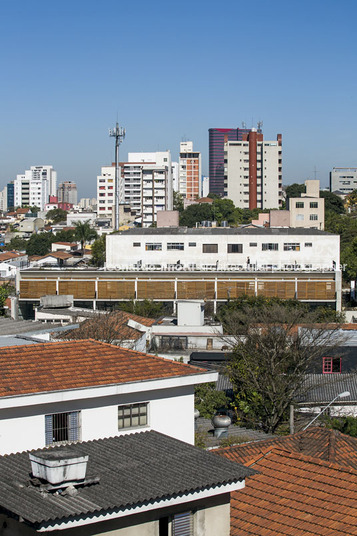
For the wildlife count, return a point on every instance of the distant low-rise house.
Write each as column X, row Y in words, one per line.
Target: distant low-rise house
column 69, row 247
column 57, row 258
column 10, row 261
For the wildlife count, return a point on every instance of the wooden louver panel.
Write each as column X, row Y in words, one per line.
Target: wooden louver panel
column 195, row 290
column 37, row 288
column 84, row 290
column 156, row 290
column 116, row 290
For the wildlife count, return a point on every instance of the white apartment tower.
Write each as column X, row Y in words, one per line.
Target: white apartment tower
column 35, row 186
column 189, row 171
column 147, row 181
column 67, row 192
column 253, row 171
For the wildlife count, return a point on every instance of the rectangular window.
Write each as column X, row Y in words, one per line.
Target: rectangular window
column 270, row 247
column 192, row 244
column 132, row 415
column 209, row 248
column 253, row 244
column 331, row 365
column 299, row 204
column 182, row 524
column 175, row 245
column 153, row 246
column 313, row 217
column 62, row 427
column 292, row 247
column 234, row 248
column 308, row 244
column 314, row 204
column 136, row 244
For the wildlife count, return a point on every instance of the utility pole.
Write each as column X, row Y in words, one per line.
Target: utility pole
column 119, row 134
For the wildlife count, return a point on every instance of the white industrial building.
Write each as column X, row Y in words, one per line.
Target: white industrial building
column 147, row 186
column 228, row 249
column 35, row 186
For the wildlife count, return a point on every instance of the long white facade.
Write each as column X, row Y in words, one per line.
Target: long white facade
column 343, row 180
column 228, row 249
column 35, row 186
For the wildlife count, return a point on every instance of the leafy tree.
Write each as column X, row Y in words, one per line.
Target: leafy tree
column 64, row 236
column 196, row 213
column 34, row 209
column 346, row 425
column 5, row 291
column 147, row 308
column 178, row 201
column 98, row 251
column 333, row 203
column 17, row 243
column 208, row 400
column 84, row 233
column 271, row 357
column 56, row 215
column 295, row 190
column 351, row 201
column 39, row 244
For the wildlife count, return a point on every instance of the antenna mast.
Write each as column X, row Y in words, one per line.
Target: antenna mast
column 119, row 134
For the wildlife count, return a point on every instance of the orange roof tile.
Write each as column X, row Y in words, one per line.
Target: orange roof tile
column 7, row 255
column 78, row 364
column 294, row 494
column 320, row 443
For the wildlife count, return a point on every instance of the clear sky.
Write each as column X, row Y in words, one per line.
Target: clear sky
column 169, row 71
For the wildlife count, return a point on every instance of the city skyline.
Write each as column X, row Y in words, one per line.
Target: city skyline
column 71, row 70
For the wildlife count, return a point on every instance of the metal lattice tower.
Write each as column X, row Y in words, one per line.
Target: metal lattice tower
column 119, row 134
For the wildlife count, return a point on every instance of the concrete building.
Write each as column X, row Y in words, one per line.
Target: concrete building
column 189, row 171
column 35, row 186
column 309, row 209
column 343, row 180
column 204, row 186
column 3, row 199
column 253, row 171
column 147, row 186
column 67, row 192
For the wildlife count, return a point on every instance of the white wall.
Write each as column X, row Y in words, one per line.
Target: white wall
column 170, row 412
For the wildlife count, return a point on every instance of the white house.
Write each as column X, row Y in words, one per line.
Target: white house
column 84, row 390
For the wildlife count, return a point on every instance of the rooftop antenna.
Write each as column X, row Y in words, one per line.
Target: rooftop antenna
column 119, row 134
column 315, row 172
column 259, row 125
column 244, row 124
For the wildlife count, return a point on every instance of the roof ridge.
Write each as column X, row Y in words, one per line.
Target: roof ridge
column 315, row 461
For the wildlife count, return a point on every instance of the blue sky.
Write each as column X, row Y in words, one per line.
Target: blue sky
column 172, row 70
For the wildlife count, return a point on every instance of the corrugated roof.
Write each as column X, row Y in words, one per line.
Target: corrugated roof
column 133, row 469
column 77, row 364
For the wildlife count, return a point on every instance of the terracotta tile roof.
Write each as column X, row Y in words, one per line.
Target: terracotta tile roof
column 295, row 494
column 77, row 364
column 319, row 443
column 58, row 255
column 71, row 244
column 7, row 255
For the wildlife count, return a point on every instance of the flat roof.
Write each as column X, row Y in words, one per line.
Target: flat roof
column 264, row 231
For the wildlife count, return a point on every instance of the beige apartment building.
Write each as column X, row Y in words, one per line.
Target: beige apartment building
column 309, row 209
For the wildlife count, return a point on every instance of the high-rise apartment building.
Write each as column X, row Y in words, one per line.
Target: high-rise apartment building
column 253, row 171
column 147, row 186
column 35, row 186
column 67, row 192
column 217, row 139
column 343, row 180
column 189, row 171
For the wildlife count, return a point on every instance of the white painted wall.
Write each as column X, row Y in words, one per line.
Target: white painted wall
column 170, row 412
column 121, row 252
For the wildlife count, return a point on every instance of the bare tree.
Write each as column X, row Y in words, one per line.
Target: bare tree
column 105, row 327
column 273, row 348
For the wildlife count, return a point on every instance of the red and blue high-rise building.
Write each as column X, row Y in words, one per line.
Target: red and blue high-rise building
column 217, row 137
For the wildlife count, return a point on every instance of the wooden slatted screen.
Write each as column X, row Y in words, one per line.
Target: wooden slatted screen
column 316, row 290
column 37, row 288
column 280, row 289
column 156, row 290
column 116, row 290
column 234, row 289
column 195, row 290
column 84, row 290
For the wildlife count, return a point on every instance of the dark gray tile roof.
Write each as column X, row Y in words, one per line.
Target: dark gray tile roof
column 134, row 469
column 322, row 388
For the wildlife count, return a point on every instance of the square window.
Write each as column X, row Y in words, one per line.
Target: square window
column 62, row 427
column 234, row 248
column 132, row 415
column 331, row 365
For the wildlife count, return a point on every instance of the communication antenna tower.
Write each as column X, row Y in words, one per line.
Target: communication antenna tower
column 259, row 125
column 244, row 124
column 119, row 134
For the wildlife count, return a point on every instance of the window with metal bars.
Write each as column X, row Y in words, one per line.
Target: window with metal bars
column 132, row 415
column 62, row 427
column 182, row 524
